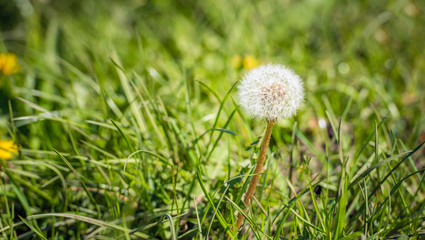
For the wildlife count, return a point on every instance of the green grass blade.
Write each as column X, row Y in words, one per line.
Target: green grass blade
column 80, row 180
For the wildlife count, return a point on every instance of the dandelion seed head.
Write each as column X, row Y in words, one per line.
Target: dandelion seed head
column 271, row 91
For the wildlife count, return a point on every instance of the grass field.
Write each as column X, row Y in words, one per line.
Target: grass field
column 121, row 120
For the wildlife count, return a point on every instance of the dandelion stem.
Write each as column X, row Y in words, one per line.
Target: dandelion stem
column 258, row 169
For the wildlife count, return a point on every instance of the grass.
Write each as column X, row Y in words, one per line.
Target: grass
column 128, row 125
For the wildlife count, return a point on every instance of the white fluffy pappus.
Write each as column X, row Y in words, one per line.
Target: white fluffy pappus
column 271, row 91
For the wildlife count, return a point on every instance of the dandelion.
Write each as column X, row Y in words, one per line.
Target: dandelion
column 8, row 63
column 270, row 92
column 236, row 61
column 7, row 148
column 249, row 62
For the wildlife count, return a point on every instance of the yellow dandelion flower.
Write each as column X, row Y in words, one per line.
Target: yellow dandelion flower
column 7, row 148
column 249, row 62
column 236, row 61
column 8, row 63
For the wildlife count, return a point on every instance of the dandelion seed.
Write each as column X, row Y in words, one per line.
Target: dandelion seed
column 322, row 123
column 271, row 92
column 7, row 148
column 8, row 63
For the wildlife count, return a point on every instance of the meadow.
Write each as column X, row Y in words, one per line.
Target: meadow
column 120, row 120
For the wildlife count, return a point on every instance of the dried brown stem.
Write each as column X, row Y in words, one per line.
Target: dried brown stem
column 258, row 169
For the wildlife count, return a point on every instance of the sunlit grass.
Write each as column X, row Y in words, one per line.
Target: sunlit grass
column 127, row 124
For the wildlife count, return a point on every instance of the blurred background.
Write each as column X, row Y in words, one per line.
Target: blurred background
column 163, row 68
column 370, row 52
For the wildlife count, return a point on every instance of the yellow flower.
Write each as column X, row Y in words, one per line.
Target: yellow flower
column 250, row 62
column 8, row 63
column 7, row 148
column 236, row 61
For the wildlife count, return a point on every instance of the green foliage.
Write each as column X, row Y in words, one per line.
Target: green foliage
column 128, row 127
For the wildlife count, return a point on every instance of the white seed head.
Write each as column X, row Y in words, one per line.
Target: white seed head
column 271, row 92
